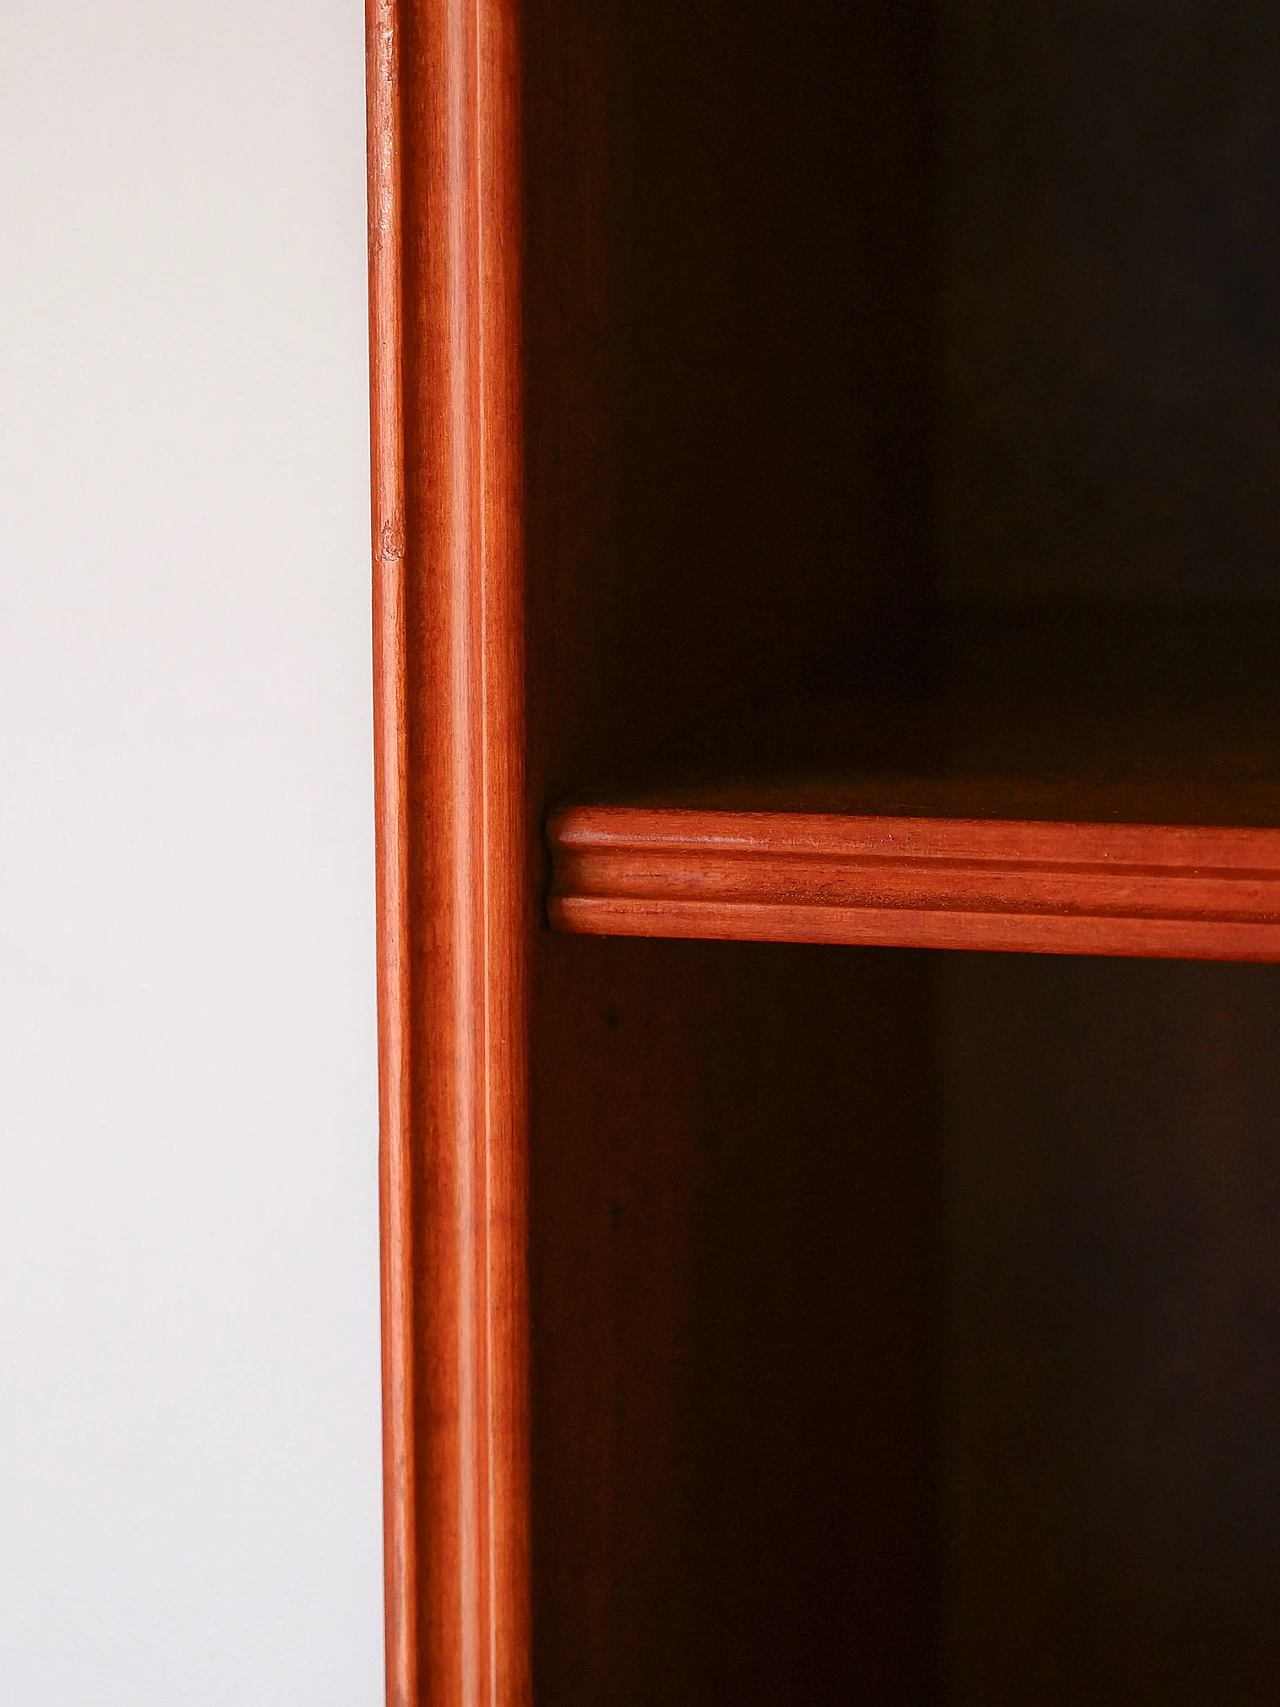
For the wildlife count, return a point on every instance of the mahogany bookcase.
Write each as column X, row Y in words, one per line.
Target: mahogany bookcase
column 824, row 470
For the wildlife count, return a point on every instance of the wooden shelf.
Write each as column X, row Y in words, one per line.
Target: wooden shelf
column 1068, row 784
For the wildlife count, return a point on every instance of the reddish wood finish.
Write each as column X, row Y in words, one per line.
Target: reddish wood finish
column 677, row 1550
column 731, row 378
column 1062, row 888
column 453, row 913
column 1069, row 782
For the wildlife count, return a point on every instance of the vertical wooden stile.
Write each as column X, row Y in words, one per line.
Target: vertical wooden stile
column 453, row 909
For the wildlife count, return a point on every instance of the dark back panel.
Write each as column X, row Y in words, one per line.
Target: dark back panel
column 1111, row 1279
column 1110, row 365
column 738, row 299
column 1110, row 347
column 729, row 354
column 734, row 1419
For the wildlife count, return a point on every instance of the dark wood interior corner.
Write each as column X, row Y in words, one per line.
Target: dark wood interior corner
column 729, row 409
column 453, row 906
column 684, row 1274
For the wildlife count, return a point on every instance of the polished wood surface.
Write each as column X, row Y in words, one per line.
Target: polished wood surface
column 682, row 1423
column 919, row 882
column 453, row 911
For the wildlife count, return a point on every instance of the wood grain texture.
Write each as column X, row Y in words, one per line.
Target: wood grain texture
column 1060, row 888
column 453, row 911
column 1066, row 781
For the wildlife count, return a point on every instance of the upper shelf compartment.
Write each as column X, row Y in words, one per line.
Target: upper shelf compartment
column 917, row 307
column 1077, row 784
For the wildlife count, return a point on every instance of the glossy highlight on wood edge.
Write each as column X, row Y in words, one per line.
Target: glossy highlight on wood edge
column 1193, row 891
column 453, row 913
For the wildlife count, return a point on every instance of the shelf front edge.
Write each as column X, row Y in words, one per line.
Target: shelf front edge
column 1186, row 891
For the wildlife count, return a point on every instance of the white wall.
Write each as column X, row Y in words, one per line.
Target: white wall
column 189, row 1504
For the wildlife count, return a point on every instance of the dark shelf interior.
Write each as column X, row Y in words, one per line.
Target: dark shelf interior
column 905, row 1324
column 1130, row 715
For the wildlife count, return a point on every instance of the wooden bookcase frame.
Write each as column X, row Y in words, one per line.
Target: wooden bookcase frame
column 452, row 893
column 458, row 861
